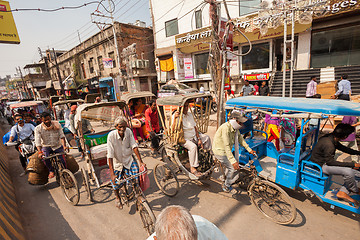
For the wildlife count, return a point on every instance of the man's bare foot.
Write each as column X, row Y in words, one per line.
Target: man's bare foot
column 118, row 204
column 344, row 196
column 51, row 175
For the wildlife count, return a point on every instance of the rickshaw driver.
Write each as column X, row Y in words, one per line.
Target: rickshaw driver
column 120, row 146
column 192, row 136
column 224, row 139
column 324, row 155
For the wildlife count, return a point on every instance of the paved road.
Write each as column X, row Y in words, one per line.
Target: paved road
column 47, row 215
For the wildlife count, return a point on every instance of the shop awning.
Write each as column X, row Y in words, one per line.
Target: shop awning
column 250, row 26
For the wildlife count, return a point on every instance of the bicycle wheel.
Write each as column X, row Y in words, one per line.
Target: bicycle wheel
column 166, row 179
column 69, row 186
column 272, row 201
column 147, row 216
column 86, row 183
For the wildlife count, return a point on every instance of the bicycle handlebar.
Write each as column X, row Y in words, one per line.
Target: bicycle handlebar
column 54, row 155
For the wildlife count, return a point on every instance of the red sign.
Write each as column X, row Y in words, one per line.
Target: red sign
column 229, row 42
column 257, row 77
column 2, row 8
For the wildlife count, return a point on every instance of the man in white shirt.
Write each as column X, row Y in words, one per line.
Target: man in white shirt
column 193, row 139
column 120, row 146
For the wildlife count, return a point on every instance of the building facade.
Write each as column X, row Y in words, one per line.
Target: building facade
column 330, row 39
column 94, row 64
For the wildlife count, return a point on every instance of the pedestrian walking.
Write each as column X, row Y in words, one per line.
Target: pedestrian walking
column 264, row 89
column 247, row 90
column 344, row 89
column 256, row 86
column 311, row 88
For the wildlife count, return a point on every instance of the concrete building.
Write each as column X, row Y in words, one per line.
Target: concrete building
column 324, row 47
column 94, row 63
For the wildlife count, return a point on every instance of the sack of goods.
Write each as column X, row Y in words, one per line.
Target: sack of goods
column 71, row 163
column 38, row 172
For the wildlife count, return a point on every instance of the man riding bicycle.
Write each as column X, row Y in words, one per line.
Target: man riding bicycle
column 120, row 146
column 225, row 137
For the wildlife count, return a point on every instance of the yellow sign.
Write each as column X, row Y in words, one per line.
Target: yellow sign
column 8, row 31
column 271, row 33
column 194, row 41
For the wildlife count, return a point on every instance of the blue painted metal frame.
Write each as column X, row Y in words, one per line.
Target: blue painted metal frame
column 296, row 171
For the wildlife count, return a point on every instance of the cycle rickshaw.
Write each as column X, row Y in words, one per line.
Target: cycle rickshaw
column 96, row 172
column 291, row 166
column 174, row 156
column 61, row 110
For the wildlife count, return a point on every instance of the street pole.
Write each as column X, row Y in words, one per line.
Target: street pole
column 116, row 45
column 27, row 93
column 215, row 61
column 58, row 73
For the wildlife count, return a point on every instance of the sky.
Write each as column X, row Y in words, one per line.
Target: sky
column 59, row 30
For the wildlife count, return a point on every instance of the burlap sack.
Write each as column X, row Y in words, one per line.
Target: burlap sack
column 38, row 179
column 36, row 165
column 71, row 163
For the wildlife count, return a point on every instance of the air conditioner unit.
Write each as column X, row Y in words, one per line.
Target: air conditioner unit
column 133, row 64
column 139, row 64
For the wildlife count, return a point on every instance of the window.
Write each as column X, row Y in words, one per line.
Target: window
column 248, row 6
column 258, row 58
column 171, row 27
column 183, row 86
column 91, row 65
column 201, row 63
column 198, row 19
column 100, row 63
column 337, row 47
column 112, row 56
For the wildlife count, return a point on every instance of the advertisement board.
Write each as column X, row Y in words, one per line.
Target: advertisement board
column 8, row 31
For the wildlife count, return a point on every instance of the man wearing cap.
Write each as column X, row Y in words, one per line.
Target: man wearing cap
column 85, row 126
column 225, row 137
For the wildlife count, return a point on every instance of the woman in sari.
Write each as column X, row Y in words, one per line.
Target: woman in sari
column 140, row 108
column 272, row 129
column 135, row 122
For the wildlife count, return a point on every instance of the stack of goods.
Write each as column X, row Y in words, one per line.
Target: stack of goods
column 38, row 172
column 98, row 152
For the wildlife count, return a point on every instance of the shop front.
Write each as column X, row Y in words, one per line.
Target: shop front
column 106, row 86
column 191, row 58
column 335, row 36
column 266, row 55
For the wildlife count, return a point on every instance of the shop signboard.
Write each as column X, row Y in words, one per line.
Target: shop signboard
column 335, row 7
column 194, row 41
column 8, row 31
column 107, row 62
column 188, row 68
column 256, row 77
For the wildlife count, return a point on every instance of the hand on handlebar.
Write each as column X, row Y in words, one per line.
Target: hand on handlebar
column 357, row 166
column 200, row 143
column 40, row 154
column 66, row 149
column 236, row 166
column 253, row 153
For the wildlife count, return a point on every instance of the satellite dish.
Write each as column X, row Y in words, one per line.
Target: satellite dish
column 264, row 27
column 305, row 18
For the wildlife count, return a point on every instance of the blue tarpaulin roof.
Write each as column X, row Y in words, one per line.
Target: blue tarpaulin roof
column 323, row 106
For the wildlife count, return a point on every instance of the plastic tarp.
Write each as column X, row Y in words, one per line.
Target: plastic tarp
column 179, row 100
column 322, row 106
column 128, row 96
column 107, row 112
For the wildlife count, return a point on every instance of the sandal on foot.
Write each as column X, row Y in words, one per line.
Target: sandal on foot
column 118, row 204
column 197, row 174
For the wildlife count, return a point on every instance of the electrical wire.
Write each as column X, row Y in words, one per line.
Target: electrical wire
column 55, row 9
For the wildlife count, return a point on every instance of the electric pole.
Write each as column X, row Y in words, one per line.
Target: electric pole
column 215, row 58
column 58, row 73
column 27, row 94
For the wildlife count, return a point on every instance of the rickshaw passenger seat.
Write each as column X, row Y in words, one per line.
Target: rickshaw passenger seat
column 312, row 177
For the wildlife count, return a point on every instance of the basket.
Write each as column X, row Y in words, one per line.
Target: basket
column 37, row 178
